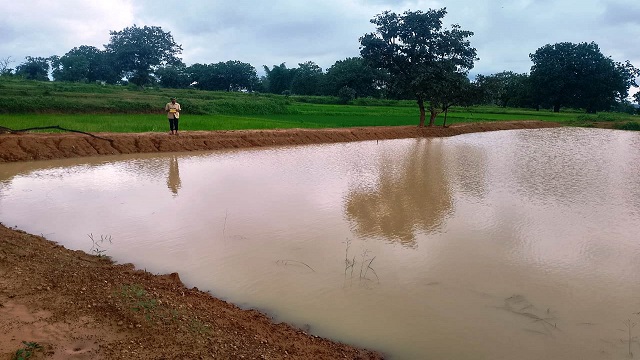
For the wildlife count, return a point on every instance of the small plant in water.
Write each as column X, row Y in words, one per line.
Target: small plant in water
column 97, row 245
column 366, row 260
column 348, row 263
column 630, row 325
column 294, row 262
column 365, row 264
column 26, row 352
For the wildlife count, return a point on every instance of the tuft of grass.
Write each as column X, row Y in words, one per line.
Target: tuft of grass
column 97, row 245
column 25, row 352
column 197, row 326
column 138, row 299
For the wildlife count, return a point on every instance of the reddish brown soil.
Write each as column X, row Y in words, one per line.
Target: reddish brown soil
column 29, row 146
column 79, row 306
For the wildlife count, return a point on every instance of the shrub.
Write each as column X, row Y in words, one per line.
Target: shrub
column 346, row 94
column 630, row 125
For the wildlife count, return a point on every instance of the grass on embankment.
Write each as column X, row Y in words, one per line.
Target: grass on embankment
column 97, row 108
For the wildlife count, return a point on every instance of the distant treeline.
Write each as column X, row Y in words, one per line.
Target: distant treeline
column 413, row 59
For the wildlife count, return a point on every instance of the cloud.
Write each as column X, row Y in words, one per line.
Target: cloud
column 269, row 33
column 43, row 28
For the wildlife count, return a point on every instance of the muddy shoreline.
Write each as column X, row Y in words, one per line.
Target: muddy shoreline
column 38, row 146
column 75, row 305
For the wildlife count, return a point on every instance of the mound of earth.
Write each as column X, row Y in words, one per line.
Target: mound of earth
column 39, row 146
column 61, row 304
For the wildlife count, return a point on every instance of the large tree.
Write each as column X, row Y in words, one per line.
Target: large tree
column 173, row 76
column 139, row 51
column 455, row 90
column 421, row 56
column 279, row 78
column 34, row 68
column 308, row 79
column 87, row 64
column 504, row 89
column 354, row 73
column 232, row 75
column 580, row 76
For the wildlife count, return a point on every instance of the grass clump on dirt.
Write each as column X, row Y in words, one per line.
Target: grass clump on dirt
column 27, row 351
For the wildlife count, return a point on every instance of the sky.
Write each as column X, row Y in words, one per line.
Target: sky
column 261, row 32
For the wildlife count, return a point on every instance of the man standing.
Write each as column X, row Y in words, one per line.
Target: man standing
column 173, row 113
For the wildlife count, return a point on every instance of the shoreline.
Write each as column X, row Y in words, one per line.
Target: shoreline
column 76, row 305
column 47, row 146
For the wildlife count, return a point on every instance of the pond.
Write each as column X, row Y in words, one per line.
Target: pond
column 520, row 244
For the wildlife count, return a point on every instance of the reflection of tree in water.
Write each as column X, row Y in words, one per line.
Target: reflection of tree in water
column 410, row 196
column 173, row 179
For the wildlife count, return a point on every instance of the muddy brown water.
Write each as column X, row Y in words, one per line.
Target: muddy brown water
column 520, row 244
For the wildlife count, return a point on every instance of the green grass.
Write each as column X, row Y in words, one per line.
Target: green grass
column 110, row 108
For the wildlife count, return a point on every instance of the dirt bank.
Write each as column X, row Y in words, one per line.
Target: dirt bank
column 77, row 306
column 29, row 146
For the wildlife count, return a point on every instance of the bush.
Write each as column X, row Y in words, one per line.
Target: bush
column 322, row 100
column 248, row 106
column 630, row 125
column 603, row 116
column 369, row 101
column 346, row 94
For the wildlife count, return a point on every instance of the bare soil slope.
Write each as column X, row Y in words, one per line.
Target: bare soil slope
column 32, row 146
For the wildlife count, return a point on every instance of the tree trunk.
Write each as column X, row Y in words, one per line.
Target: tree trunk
column 432, row 118
column 422, row 112
column 444, row 123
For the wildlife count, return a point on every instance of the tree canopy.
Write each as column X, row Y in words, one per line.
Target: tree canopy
column 34, row 68
column 232, row 75
column 279, row 78
column 355, row 74
column 504, row 89
column 421, row 56
column 579, row 76
column 409, row 56
column 85, row 64
column 138, row 51
column 307, row 79
column 173, row 76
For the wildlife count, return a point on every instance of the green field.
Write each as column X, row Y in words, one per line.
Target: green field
column 98, row 108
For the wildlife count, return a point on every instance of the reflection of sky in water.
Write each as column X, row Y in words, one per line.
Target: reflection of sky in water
column 461, row 232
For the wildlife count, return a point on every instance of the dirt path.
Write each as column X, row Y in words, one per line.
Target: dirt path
column 67, row 304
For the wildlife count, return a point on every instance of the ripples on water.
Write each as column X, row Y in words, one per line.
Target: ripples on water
column 514, row 244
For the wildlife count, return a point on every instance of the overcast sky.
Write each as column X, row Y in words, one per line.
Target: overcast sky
column 262, row 32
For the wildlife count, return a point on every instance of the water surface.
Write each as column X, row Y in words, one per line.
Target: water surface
column 517, row 244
